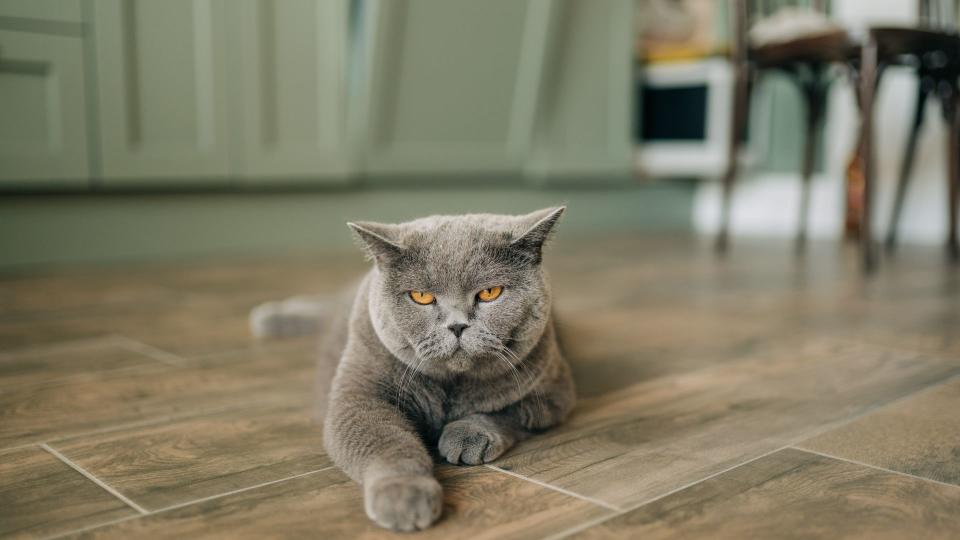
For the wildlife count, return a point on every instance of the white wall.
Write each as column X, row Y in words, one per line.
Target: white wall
column 765, row 204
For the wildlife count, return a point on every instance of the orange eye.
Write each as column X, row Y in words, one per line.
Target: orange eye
column 422, row 297
column 489, row 295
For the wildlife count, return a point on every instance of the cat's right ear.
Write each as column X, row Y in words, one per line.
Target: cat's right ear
column 377, row 240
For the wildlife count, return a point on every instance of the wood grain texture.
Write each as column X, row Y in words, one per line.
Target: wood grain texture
column 113, row 398
column 608, row 350
column 687, row 365
column 187, row 309
column 919, row 435
column 478, row 503
column 77, row 292
column 795, row 494
column 74, row 360
column 189, row 327
column 650, row 438
column 42, row 496
column 175, row 462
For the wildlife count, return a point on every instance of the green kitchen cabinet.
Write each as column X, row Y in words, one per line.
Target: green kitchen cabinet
column 287, row 69
column 43, row 121
column 116, row 94
column 450, row 85
column 162, row 91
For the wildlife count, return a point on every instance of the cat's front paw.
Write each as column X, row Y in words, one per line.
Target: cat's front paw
column 471, row 441
column 404, row 503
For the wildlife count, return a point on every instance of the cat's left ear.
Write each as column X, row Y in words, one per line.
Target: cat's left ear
column 536, row 228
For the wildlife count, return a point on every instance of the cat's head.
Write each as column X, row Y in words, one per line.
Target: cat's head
column 456, row 295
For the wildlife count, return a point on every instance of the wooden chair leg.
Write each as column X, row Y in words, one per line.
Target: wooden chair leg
column 907, row 165
column 953, row 157
column 741, row 99
column 869, row 81
column 815, row 94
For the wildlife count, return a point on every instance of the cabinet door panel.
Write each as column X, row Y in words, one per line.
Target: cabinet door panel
column 583, row 125
column 292, row 87
column 452, row 84
column 160, row 74
column 43, row 131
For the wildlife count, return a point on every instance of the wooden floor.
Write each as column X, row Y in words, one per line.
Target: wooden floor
column 762, row 396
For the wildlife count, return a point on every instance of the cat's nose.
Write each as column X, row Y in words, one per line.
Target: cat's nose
column 458, row 328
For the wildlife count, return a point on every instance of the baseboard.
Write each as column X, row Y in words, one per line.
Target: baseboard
column 59, row 229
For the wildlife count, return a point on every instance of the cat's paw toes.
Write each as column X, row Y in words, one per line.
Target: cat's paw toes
column 404, row 503
column 471, row 443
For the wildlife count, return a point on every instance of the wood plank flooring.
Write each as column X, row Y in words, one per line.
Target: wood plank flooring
column 757, row 396
column 167, row 464
column 41, row 496
column 44, row 412
column 671, row 433
column 793, row 494
column 919, row 436
column 480, row 503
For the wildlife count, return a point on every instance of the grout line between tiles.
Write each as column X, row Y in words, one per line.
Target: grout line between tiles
column 540, row 483
column 794, row 444
column 582, row 526
column 94, row 479
column 92, row 527
column 278, row 402
column 591, row 523
column 813, row 433
column 875, row 467
column 19, row 447
column 187, row 503
column 272, row 402
column 61, row 346
column 159, row 355
column 708, row 477
column 239, row 490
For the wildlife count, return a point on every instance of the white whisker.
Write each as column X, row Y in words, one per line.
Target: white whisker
column 413, row 371
column 516, row 374
column 530, row 380
column 400, row 386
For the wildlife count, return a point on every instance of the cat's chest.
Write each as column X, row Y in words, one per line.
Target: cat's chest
column 466, row 398
column 443, row 403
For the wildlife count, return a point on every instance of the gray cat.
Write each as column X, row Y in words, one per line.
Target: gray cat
column 449, row 343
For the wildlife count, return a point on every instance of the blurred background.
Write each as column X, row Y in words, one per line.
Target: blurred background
column 178, row 128
column 167, row 165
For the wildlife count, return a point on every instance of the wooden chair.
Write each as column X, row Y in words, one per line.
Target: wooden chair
column 932, row 47
column 933, row 50
column 806, row 61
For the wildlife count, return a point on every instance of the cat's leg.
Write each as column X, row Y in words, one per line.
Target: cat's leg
column 483, row 437
column 377, row 446
column 479, row 438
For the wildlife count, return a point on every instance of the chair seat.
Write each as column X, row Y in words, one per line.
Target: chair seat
column 895, row 42
column 825, row 47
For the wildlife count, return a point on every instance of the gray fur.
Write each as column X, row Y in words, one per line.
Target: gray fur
column 295, row 316
column 404, row 382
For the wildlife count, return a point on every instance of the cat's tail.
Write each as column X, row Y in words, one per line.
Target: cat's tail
column 295, row 316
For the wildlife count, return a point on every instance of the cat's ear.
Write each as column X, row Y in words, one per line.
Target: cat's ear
column 378, row 239
column 536, row 228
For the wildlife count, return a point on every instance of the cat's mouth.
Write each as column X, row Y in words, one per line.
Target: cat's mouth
column 459, row 360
